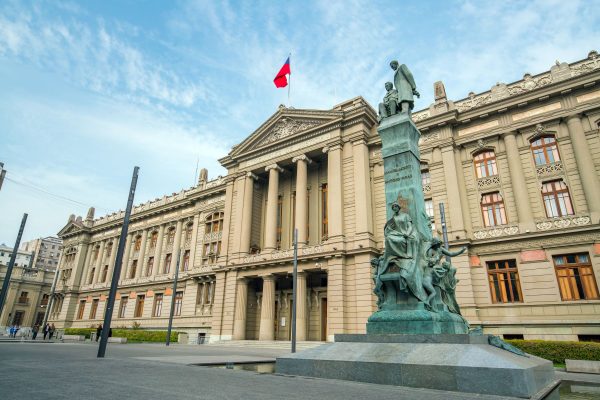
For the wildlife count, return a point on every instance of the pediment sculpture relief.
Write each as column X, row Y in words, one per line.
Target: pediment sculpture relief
column 287, row 127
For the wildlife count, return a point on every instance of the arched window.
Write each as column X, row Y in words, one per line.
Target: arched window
column 188, row 232
column 171, row 236
column 492, row 209
column 138, row 243
column 557, row 200
column 212, row 237
column 485, row 164
column 153, row 239
column 545, row 150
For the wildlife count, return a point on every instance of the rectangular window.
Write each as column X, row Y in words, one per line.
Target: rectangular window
column 158, row 303
column 39, row 319
column 485, row 164
column 504, row 281
column 188, row 232
column 94, row 308
column 133, row 269
column 575, row 275
column 178, row 303
column 171, row 236
column 45, row 299
column 167, row 268
column 91, row 280
column 186, row 261
column 324, row 220
column 18, row 318
column 104, row 273
column 149, row 266
column 81, row 309
column 123, row 306
column 23, row 299
column 425, row 178
column 139, row 306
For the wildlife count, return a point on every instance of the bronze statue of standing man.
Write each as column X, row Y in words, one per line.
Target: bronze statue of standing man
column 405, row 85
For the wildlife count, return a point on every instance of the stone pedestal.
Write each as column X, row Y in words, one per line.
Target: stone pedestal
column 460, row 363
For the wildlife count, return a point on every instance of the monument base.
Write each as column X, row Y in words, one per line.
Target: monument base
column 416, row 322
column 461, row 363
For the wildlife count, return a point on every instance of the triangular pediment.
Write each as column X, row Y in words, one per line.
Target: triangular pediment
column 70, row 228
column 285, row 124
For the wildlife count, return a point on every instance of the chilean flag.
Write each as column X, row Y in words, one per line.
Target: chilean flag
column 281, row 79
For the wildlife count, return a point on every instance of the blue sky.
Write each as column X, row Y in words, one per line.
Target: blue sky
column 89, row 89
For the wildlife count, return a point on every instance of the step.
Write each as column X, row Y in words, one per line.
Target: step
column 273, row 344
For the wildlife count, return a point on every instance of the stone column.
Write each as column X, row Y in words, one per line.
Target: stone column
column 301, row 196
column 585, row 163
column 99, row 262
column 246, row 227
column 176, row 247
column 241, row 300
column 517, row 181
column 88, row 259
column 158, row 251
column 301, row 306
column 267, row 312
column 464, row 199
column 454, row 205
column 142, row 255
column 271, row 216
column 362, row 188
column 335, row 201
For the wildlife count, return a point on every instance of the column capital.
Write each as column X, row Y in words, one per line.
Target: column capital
column 273, row 166
column 251, row 176
column 301, row 157
column 510, row 133
column 572, row 117
column 269, row 277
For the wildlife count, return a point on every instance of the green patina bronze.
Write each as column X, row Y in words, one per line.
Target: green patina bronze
column 414, row 278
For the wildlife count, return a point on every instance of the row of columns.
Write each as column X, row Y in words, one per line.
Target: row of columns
column 130, row 254
column 267, row 311
column 335, row 201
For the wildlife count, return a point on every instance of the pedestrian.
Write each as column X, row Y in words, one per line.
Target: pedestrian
column 11, row 332
column 51, row 331
column 35, row 331
column 46, row 330
column 98, row 331
column 17, row 327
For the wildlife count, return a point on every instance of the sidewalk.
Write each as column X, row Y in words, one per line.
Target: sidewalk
column 146, row 371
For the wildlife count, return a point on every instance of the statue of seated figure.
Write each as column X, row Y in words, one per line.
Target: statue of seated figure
column 389, row 106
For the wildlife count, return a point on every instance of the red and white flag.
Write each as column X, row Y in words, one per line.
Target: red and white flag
column 281, row 77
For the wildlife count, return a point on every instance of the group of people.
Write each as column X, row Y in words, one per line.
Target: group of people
column 48, row 331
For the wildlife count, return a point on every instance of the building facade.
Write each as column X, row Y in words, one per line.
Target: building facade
column 45, row 252
column 28, row 295
column 23, row 259
column 516, row 168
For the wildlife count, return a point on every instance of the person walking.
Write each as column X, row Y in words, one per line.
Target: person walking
column 11, row 332
column 46, row 330
column 51, row 331
column 98, row 331
column 34, row 331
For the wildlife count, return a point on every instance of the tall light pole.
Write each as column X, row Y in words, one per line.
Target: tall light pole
column 110, row 302
column 2, row 174
column 11, row 264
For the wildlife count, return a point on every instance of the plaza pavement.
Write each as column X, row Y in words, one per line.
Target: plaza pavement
column 153, row 371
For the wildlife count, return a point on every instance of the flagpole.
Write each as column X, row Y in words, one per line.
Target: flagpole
column 290, row 80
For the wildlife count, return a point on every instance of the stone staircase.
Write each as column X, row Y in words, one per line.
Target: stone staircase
column 266, row 344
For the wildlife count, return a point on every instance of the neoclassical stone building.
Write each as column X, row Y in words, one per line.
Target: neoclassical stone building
column 516, row 168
